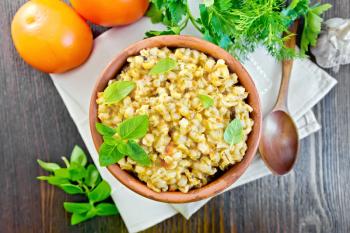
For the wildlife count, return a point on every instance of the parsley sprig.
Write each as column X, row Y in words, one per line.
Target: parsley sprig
column 241, row 26
column 120, row 142
column 78, row 177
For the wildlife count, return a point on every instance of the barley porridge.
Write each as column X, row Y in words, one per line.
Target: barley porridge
column 185, row 140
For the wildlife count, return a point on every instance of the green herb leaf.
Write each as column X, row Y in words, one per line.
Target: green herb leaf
column 155, row 14
column 55, row 180
column 106, row 209
column 234, row 132
column 78, row 218
column 79, row 208
column 170, row 31
column 75, row 179
column 208, row 3
column 312, row 26
column 163, row 66
column 138, row 154
column 78, row 156
column 100, row 193
column 123, row 148
column 66, row 162
column 169, row 13
column 134, row 127
column 177, row 10
column 109, row 154
column 117, row 91
column 71, row 189
column 92, row 176
column 206, row 100
column 110, row 140
column 105, row 130
column 62, row 172
column 241, row 26
column 76, row 172
column 48, row 166
column 135, row 152
column 43, row 177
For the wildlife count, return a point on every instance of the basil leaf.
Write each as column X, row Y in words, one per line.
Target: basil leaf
column 101, row 192
column 123, row 148
column 55, row 180
column 78, row 218
column 48, row 166
column 234, row 132
column 43, row 177
column 138, row 154
column 62, row 172
column 134, row 127
column 206, row 100
column 79, row 208
column 117, row 91
column 71, row 188
column 105, row 130
column 76, row 172
column 163, row 66
column 106, row 209
column 91, row 176
column 109, row 154
column 78, row 156
column 110, row 140
column 65, row 160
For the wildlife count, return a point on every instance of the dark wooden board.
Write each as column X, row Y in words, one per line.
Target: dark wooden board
column 34, row 122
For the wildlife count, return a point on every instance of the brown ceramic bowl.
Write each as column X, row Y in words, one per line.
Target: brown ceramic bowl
column 230, row 175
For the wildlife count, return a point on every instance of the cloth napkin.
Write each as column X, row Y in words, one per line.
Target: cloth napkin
column 308, row 85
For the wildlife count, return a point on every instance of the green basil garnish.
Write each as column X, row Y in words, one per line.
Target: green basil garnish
column 234, row 132
column 163, row 66
column 117, row 91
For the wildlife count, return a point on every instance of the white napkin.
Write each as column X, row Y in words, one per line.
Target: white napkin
column 309, row 84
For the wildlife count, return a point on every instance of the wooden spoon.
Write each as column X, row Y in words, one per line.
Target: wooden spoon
column 279, row 142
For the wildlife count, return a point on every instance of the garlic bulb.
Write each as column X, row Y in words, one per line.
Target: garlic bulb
column 333, row 45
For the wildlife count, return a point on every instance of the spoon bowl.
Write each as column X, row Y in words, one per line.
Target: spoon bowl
column 279, row 144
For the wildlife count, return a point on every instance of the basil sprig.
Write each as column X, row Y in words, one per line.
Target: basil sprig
column 206, row 100
column 234, row 132
column 77, row 178
column 163, row 66
column 114, row 149
column 117, row 91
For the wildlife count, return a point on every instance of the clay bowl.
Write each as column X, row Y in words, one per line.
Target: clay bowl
column 229, row 176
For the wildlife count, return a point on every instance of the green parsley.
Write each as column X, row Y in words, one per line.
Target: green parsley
column 163, row 66
column 115, row 148
column 77, row 178
column 313, row 26
column 234, row 132
column 241, row 26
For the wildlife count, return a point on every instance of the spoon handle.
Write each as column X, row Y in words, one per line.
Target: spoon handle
column 287, row 66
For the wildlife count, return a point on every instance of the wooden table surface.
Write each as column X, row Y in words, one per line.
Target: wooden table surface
column 34, row 122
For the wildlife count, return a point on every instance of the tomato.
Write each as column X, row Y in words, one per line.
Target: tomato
column 111, row 12
column 51, row 36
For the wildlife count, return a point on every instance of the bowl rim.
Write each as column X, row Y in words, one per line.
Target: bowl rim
column 233, row 172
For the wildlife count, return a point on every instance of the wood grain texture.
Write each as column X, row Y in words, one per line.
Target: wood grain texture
column 34, row 122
